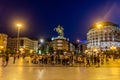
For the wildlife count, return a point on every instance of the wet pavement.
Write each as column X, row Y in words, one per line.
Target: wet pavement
column 24, row 71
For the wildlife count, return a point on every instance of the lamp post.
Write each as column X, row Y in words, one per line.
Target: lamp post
column 41, row 40
column 78, row 41
column 18, row 34
column 113, row 48
column 41, row 46
column 1, row 49
column 99, row 27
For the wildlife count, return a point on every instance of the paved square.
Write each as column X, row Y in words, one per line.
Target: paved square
column 23, row 71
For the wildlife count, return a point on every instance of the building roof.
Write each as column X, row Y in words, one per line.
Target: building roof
column 104, row 24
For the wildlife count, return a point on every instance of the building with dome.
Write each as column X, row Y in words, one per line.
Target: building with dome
column 103, row 35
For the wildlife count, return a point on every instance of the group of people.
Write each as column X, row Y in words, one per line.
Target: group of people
column 86, row 60
column 5, row 59
column 55, row 59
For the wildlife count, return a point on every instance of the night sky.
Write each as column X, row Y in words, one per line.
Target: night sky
column 39, row 17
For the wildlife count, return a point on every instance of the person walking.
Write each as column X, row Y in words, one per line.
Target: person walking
column 3, row 60
column 14, row 58
column 98, row 61
column 88, row 60
column 7, row 59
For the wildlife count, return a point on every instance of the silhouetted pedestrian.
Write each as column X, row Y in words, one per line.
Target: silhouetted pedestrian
column 14, row 59
column 3, row 60
column 7, row 59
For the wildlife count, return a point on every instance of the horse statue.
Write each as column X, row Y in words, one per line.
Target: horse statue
column 59, row 29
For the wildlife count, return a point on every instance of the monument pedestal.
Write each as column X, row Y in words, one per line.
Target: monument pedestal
column 60, row 44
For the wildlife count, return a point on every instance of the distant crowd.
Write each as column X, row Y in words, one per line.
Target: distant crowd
column 86, row 60
column 54, row 59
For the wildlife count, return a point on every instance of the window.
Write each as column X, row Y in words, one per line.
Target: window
column 21, row 42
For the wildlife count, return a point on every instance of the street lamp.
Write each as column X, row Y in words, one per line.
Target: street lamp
column 99, row 26
column 78, row 41
column 41, row 40
column 41, row 46
column 1, row 49
column 113, row 48
column 18, row 34
column 86, row 51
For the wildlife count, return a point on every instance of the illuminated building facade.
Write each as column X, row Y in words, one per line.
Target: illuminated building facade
column 25, row 44
column 3, row 41
column 103, row 38
column 60, row 44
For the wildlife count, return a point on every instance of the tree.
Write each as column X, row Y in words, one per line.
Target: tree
column 50, row 49
column 42, row 49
